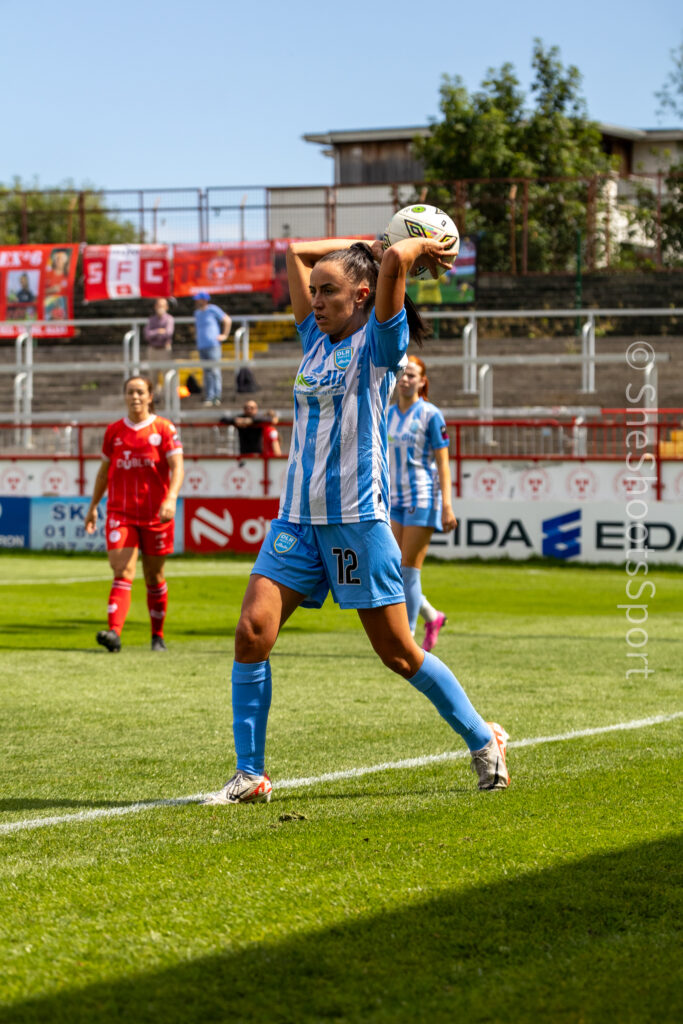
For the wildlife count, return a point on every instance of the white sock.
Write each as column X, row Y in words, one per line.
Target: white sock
column 428, row 613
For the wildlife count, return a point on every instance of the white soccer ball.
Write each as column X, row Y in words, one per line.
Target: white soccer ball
column 421, row 221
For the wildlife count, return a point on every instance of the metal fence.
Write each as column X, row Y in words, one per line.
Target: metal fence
column 536, row 220
column 536, row 441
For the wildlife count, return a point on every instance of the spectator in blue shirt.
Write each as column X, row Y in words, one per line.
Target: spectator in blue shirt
column 212, row 329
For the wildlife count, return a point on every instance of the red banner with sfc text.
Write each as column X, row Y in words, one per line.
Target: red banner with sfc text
column 37, row 283
column 222, row 269
column 126, row 272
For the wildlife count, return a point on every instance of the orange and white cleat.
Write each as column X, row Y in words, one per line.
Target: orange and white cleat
column 489, row 762
column 242, row 788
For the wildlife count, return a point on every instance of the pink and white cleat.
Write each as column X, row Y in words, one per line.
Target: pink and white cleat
column 432, row 631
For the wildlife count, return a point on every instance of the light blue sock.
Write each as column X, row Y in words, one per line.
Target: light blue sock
column 438, row 683
column 412, row 587
column 251, row 694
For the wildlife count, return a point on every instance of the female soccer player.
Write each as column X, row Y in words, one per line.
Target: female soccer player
column 332, row 531
column 420, row 487
column 142, row 468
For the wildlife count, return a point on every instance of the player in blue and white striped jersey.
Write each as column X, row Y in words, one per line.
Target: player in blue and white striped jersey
column 420, row 488
column 332, row 532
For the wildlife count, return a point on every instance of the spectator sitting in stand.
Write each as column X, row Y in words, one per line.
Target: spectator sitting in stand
column 257, row 433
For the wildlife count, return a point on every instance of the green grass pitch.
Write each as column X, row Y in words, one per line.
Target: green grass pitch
column 399, row 895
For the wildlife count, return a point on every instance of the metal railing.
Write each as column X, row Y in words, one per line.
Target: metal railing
column 25, row 367
column 546, row 440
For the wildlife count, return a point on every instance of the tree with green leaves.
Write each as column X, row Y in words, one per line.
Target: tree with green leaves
column 495, row 133
column 47, row 216
column 670, row 96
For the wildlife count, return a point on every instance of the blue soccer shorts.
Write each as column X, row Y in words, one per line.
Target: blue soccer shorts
column 360, row 563
column 417, row 517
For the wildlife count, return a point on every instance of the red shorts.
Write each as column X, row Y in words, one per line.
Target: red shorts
column 152, row 539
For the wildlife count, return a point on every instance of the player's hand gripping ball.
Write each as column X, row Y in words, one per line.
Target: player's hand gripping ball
column 421, row 221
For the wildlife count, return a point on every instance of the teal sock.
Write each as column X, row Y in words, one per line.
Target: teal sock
column 440, row 686
column 251, row 695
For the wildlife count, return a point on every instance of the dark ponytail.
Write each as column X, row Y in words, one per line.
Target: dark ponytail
column 419, row 330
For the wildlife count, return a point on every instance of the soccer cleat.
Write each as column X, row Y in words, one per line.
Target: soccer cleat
column 489, row 762
column 243, row 788
column 110, row 639
column 158, row 643
column 432, row 631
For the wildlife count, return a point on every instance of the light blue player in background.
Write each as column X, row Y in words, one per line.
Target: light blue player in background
column 420, row 487
column 332, row 532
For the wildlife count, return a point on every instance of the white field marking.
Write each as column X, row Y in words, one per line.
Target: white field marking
column 348, row 773
column 106, row 578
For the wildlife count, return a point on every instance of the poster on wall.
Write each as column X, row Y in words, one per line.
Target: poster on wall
column 126, row 272
column 222, row 269
column 37, row 283
column 458, row 287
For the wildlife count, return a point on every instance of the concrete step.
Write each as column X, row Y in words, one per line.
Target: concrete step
column 513, row 386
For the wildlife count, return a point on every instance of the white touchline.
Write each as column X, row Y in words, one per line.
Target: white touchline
column 348, row 773
column 106, row 578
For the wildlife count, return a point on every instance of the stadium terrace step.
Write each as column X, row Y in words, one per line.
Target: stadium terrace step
column 519, row 386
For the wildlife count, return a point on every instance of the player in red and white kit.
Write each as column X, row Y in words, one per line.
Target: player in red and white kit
column 142, row 470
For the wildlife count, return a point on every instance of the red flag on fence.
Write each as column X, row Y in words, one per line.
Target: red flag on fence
column 126, row 272
column 221, row 269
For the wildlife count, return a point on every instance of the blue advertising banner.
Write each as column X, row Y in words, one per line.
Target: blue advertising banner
column 58, row 524
column 14, row 522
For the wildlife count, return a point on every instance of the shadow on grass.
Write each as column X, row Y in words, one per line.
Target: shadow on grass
column 588, row 941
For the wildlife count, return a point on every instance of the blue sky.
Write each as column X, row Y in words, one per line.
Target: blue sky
column 147, row 94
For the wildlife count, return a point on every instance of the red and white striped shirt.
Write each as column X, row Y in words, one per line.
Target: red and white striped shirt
column 138, row 467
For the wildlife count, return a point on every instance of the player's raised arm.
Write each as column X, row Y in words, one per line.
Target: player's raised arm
column 396, row 263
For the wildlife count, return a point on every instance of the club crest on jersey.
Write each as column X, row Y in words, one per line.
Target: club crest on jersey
column 154, row 439
column 342, row 356
column 283, row 543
